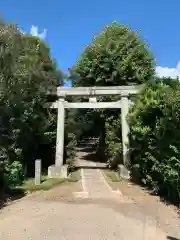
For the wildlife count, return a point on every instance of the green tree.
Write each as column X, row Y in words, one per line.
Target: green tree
column 27, row 73
column 117, row 56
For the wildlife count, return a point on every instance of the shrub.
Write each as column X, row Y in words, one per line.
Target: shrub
column 70, row 150
column 113, row 145
column 155, row 138
column 13, row 174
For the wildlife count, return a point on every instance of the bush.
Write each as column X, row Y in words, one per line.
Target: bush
column 70, row 150
column 155, row 138
column 13, row 174
column 113, row 145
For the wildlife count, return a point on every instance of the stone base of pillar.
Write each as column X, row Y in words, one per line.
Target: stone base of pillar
column 123, row 172
column 58, row 171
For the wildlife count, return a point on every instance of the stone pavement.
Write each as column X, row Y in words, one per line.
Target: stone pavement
column 102, row 215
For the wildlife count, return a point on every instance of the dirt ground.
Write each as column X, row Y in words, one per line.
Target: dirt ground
column 166, row 215
column 103, row 214
column 57, row 214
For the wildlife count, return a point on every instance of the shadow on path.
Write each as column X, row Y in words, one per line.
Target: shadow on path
column 90, row 167
column 86, row 152
column 172, row 238
column 10, row 195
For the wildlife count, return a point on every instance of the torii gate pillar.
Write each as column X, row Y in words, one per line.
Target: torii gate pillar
column 125, row 128
column 60, row 133
column 59, row 170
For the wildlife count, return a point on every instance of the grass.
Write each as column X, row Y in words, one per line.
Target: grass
column 48, row 183
column 112, row 175
column 29, row 185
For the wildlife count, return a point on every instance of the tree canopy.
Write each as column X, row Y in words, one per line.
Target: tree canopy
column 117, row 56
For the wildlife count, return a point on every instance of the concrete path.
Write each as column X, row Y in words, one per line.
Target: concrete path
column 94, row 184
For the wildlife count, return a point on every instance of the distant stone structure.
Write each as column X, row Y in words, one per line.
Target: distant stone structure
column 37, row 171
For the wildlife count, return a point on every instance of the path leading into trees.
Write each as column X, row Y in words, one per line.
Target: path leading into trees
column 97, row 213
column 94, row 184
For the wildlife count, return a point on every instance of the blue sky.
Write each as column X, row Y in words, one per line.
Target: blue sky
column 68, row 26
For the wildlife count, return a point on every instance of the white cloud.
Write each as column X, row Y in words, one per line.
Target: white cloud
column 168, row 72
column 34, row 32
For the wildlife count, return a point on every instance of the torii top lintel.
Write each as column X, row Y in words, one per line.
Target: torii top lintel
column 97, row 91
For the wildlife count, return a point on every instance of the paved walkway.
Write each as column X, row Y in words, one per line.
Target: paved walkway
column 102, row 215
column 95, row 185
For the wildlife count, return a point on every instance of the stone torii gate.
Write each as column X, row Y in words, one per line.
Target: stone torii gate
column 124, row 92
